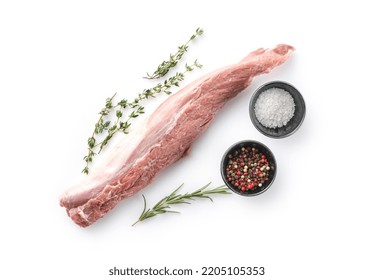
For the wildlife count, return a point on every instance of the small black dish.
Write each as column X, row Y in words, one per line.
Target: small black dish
column 293, row 124
column 261, row 148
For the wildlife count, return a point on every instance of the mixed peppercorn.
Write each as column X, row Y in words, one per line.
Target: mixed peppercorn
column 247, row 169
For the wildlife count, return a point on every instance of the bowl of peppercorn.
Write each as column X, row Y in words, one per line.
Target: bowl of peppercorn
column 277, row 109
column 248, row 168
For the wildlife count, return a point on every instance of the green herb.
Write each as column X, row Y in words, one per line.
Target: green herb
column 123, row 122
column 163, row 206
column 165, row 66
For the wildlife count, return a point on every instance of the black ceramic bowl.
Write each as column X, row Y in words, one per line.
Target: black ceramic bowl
column 261, row 148
column 293, row 124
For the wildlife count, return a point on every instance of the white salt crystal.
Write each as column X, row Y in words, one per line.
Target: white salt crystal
column 274, row 107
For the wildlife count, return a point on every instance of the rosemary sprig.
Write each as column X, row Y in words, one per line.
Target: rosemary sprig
column 164, row 204
column 165, row 66
column 121, row 124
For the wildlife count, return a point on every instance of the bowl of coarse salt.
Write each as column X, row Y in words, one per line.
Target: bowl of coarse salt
column 277, row 109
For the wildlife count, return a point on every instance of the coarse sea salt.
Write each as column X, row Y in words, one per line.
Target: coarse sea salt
column 274, row 107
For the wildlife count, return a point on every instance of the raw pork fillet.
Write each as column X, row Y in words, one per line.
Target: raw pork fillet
column 164, row 137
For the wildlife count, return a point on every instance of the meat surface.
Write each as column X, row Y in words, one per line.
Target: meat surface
column 164, row 137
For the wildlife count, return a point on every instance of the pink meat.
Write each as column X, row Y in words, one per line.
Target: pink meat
column 164, row 137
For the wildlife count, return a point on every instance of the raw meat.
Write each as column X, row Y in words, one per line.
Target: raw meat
column 164, row 137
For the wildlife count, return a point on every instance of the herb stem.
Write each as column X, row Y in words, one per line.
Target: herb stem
column 163, row 206
column 104, row 124
column 165, row 66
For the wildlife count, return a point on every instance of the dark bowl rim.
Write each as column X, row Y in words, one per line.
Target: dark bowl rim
column 252, row 115
column 224, row 156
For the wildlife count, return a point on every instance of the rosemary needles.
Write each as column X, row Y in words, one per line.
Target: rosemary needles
column 125, row 111
column 163, row 206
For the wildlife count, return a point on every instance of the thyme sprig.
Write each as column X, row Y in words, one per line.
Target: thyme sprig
column 163, row 206
column 165, row 66
column 122, row 122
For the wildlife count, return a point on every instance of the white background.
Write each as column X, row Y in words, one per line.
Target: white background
column 60, row 60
